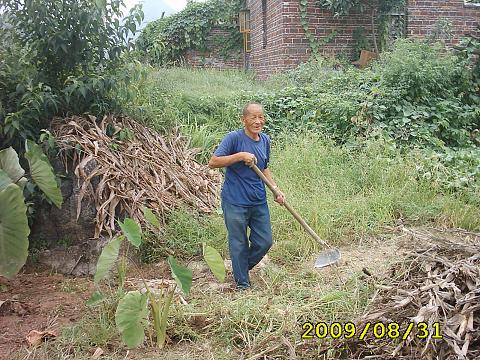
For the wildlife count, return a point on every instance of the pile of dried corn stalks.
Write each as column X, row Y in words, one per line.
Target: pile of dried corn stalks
column 439, row 281
column 124, row 173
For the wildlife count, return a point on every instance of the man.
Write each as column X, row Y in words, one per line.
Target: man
column 244, row 199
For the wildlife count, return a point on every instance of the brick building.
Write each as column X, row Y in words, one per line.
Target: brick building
column 278, row 39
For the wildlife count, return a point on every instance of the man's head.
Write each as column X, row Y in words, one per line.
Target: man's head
column 253, row 118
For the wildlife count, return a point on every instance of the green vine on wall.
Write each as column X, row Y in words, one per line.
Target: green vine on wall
column 315, row 44
column 380, row 11
column 165, row 41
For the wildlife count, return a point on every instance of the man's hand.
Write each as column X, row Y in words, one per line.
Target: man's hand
column 279, row 196
column 248, row 158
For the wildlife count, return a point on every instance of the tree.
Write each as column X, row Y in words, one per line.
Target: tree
column 68, row 51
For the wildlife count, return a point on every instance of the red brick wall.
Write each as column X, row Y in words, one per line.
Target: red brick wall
column 321, row 23
column 287, row 45
column 213, row 58
column 270, row 59
column 423, row 15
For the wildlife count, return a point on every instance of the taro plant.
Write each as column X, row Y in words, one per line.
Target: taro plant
column 137, row 308
column 14, row 228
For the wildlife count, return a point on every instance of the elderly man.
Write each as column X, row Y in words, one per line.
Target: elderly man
column 244, row 199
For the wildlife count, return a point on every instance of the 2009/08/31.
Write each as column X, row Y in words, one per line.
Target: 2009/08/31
column 379, row 330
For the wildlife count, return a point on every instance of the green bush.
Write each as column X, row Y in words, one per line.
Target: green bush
column 165, row 41
column 63, row 61
column 418, row 96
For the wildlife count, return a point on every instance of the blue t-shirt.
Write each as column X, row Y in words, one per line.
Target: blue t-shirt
column 242, row 186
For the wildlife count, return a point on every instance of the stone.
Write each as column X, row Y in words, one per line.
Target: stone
column 66, row 244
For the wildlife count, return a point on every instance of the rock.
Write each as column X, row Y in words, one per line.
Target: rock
column 65, row 244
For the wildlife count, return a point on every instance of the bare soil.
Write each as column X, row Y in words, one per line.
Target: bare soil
column 38, row 301
column 45, row 301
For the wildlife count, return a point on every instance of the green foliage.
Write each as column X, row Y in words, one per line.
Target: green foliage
column 418, row 96
column 164, row 41
column 14, row 228
column 131, row 318
column 107, row 259
column 160, row 310
column 151, row 218
column 132, row 231
column 13, row 231
column 315, row 44
column 58, row 57
column 344, row 7
column 131, row 315
column 360, row 42
column 352, row 191
column 79, row 36
column 469, row 51
column 378, row 9
column 10, row 164
column 215, row 262
column 181, row 274
column 42, row 172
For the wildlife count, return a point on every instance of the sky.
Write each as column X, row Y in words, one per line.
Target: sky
column 153, row 8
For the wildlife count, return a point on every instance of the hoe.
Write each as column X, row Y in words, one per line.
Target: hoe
column 327, row 257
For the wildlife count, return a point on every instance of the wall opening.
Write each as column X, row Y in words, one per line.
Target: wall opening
column 264, row 20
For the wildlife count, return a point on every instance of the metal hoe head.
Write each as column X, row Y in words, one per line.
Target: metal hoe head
column 328, row 257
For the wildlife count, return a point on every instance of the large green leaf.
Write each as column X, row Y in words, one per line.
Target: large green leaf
column 14, row 231
column 215, row 262
column 42, row 172
column 10, row 164
column 151, row 218
column 131, row 318
column 132, row 231
column 107, row 258
column 181, row 274
column 5, row 180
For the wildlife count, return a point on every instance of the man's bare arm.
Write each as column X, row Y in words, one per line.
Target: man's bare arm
column 223, row 161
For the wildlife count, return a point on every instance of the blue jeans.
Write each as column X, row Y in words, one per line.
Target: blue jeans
column 246, row 252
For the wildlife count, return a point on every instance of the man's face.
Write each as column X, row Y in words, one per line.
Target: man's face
column 254, row 119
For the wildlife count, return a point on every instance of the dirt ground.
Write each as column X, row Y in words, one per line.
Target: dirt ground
column 45, row 301
column 38, row 301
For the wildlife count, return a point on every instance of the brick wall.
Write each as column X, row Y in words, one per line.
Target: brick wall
column 287, row 45
column 424, row 15
column 269, row 59
column 213, row 58
column 321, row 23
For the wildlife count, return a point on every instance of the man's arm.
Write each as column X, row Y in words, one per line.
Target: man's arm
column 281, row 197
column 223, row 161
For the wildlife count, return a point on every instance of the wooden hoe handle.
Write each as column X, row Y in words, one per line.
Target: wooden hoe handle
column 288, row 207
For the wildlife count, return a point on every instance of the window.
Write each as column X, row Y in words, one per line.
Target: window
column 264, row 19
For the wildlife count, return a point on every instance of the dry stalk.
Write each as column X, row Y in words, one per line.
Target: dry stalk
column 437, row 282
column 122, row 175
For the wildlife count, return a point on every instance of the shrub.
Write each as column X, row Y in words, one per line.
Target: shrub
column 64, row 56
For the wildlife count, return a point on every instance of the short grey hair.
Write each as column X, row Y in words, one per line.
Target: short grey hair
column 245, row 108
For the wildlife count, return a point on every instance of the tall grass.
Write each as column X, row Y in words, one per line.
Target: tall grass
column 349, row 194
column 164, row 98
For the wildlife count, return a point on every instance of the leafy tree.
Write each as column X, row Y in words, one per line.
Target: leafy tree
column 58, row 57
column 72, row 37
